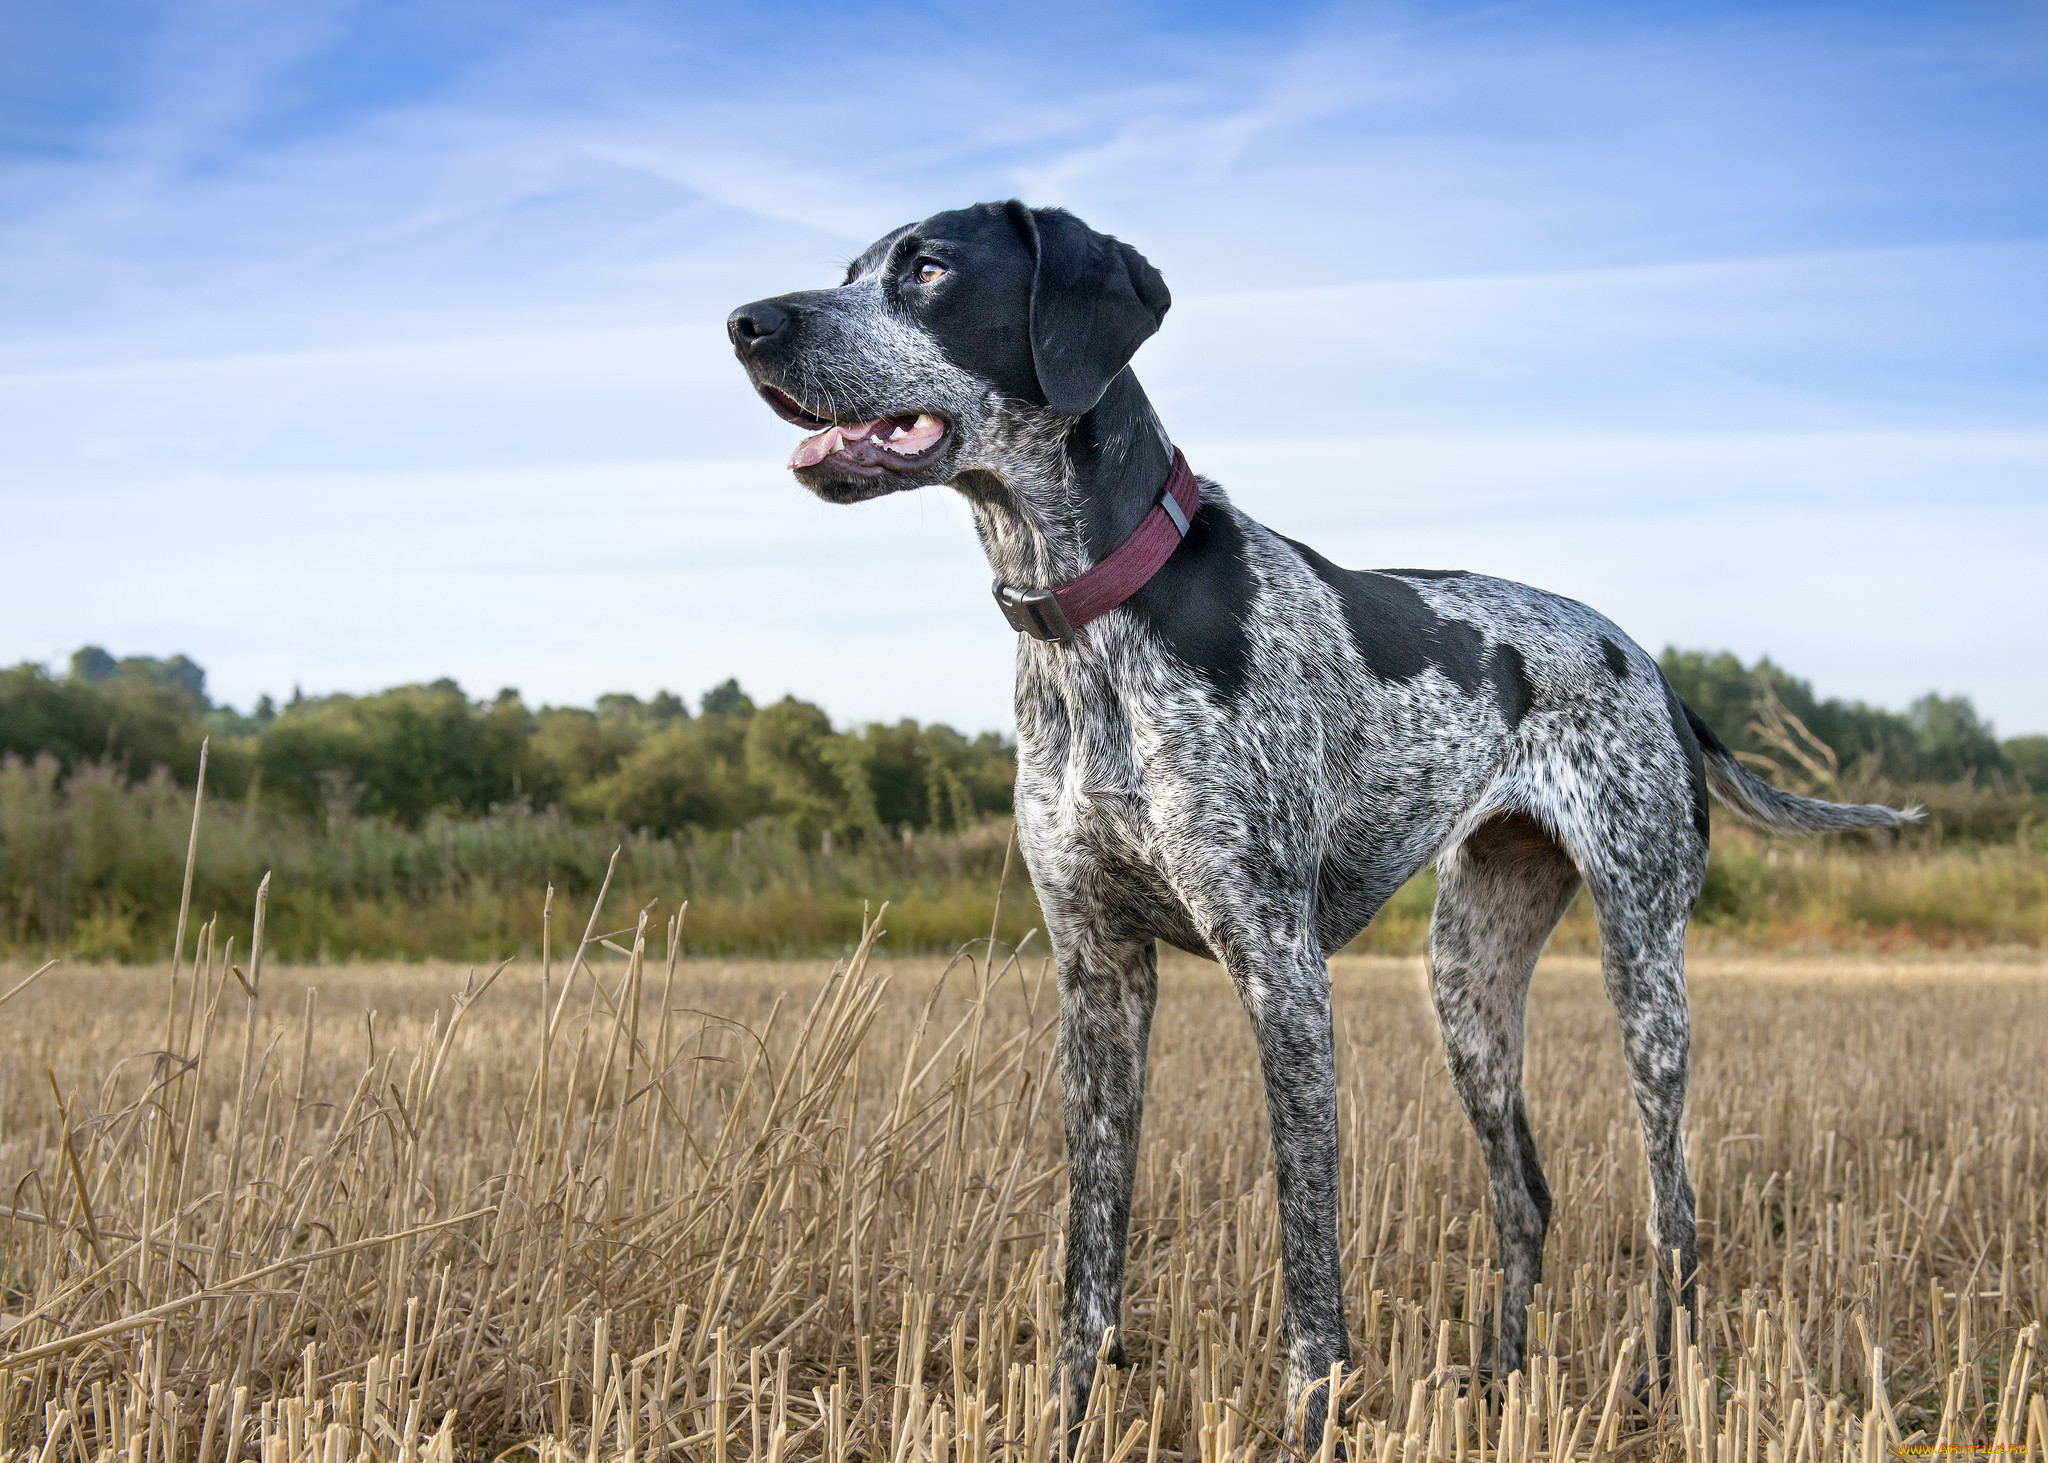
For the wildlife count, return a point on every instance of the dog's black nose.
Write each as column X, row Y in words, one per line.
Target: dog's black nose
column 755, row 324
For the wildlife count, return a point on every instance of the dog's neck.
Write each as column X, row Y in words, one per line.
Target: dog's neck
column 1084, row 485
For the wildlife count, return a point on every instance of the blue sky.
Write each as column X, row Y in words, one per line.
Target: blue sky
column 348, row 344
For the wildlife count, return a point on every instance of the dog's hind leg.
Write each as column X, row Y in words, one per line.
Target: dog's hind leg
column 1500, row 892
column 1642, row 844
column 1107, row 992
column 1642, row 965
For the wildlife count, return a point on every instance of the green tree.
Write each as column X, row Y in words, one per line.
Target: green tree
column 949, row 803
column 1952, row 741
column 990, row 772
column 1723, row 691
column 127, row 724
column 177, row 673
column 727, row 699
column 788, row 759
column 2027, row 759
column 403, row 753
column 898, row 767
column 225, row 721
column 92, row 664
column 630, row 710
column 571, row 749
column 688, row 774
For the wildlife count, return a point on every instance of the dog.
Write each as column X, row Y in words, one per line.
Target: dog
column 1249, row 749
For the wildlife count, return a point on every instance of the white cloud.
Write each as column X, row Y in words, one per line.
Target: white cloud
column 1691, row 320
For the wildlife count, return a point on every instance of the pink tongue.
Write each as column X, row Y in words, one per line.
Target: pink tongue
column 902, row 442
column 926, row 430
column 814, row 450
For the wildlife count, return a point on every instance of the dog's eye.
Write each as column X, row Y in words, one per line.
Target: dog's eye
column 930, row 271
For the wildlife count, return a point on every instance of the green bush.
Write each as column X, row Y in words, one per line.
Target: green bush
column 92, row 866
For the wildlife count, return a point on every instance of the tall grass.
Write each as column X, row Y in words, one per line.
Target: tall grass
column 615, row 1204
column 91, row 867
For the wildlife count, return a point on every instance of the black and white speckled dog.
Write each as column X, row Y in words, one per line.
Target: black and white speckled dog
column 1256, row 748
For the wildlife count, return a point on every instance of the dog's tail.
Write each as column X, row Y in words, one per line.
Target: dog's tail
column 1755, row 801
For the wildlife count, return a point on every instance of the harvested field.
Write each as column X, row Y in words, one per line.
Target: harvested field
column 770, row 1210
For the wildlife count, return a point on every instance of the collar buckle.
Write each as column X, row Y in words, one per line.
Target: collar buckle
column 1033, row 612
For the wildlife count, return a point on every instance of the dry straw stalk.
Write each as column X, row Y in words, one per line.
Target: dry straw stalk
column 637, row 1207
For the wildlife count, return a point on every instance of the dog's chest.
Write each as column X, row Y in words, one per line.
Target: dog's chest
column 1094, row 856
column 1084, row 800
column 1079, row 775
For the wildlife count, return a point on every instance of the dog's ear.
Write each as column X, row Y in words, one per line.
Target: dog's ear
column 1094, row 301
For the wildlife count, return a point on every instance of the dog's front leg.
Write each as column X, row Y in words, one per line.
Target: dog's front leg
column 1288, row 997
column 1107, row 991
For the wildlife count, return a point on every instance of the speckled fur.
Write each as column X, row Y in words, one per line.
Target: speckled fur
column 1265, row 825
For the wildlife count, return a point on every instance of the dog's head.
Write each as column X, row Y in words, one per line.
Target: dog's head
column 948, row 341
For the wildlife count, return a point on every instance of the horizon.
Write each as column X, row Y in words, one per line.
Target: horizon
column 93, row 664
column 359, row 345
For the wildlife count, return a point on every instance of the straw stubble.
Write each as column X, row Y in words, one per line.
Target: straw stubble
column 791, row 1213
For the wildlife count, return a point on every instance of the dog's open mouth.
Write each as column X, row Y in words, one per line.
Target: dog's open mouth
column 884, row 444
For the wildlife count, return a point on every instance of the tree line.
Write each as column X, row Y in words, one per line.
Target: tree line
column 413, row 751
column 1937, row 740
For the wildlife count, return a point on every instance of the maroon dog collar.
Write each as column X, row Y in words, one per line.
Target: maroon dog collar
column 1056, row 613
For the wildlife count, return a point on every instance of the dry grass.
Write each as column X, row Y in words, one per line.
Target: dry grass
column 638, row 1206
